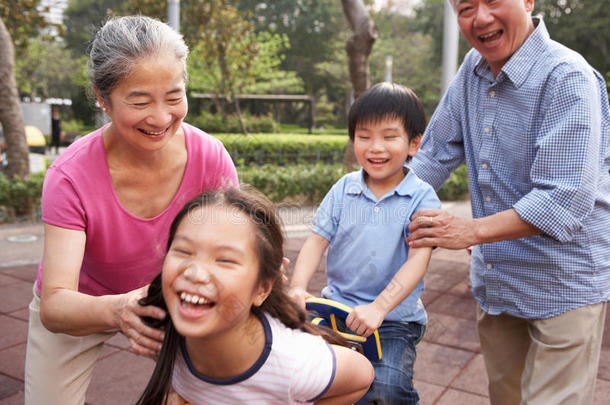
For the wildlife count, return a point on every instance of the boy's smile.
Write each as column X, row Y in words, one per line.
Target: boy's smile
column 382, row 147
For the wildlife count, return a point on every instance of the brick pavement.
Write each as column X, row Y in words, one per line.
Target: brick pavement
column 449, row 367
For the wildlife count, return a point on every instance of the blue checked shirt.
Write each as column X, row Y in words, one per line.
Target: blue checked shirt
column 536, row 139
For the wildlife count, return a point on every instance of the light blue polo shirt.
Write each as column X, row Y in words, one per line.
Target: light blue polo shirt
column 367, row 240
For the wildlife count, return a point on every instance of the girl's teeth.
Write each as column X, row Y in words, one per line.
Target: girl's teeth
column 192, row 299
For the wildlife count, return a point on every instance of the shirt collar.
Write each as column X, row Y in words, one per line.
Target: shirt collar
column 356, row 184
column 517, row 68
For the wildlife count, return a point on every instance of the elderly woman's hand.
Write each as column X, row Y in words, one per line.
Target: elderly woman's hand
column 144, row 339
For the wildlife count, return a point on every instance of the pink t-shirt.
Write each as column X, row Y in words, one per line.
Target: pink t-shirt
column 123, row 252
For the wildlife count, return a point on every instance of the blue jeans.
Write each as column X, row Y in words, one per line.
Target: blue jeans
column 393, row 382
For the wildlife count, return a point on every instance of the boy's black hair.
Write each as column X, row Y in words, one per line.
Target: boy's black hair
column 388, row 100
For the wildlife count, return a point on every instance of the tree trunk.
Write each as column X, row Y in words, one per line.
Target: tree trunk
column 224, row 74
column 358, row 48
column 228, row 87
column 360, row 44
column 11, row 117
column 239, row 116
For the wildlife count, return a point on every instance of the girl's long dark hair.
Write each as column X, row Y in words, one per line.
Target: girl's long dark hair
column 269, row 242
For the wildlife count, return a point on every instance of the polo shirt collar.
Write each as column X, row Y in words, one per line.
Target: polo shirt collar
column 523, row 60
column 356, row 184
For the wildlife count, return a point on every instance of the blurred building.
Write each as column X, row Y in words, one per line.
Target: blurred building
column 404, row 7
column 53, row 11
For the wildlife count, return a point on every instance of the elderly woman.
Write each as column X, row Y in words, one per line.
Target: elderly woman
column 107, row 204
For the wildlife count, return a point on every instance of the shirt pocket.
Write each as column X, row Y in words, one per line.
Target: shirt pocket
column 515, row 154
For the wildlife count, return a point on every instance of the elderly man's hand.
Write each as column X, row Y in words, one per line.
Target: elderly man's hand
column 429, row 228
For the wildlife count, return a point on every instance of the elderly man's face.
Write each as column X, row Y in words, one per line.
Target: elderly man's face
column 495, row 28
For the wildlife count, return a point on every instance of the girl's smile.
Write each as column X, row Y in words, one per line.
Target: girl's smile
column 194, row 306
column 210, row 274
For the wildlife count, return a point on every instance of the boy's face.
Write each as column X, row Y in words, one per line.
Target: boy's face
column 382, row 148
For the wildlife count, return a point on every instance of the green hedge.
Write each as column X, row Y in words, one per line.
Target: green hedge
column 214, row 123
column 300, row 184
column 456, row 187
column 20, row 198
column 308, row 184
column 282, row 149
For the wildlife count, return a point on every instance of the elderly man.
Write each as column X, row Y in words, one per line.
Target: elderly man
column 531, row 120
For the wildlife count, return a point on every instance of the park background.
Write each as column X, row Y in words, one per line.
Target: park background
column 271, row 79
column 293, row 48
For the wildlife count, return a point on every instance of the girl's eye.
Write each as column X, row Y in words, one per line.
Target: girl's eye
column 225, row 260
column 140, row 104
column 180, row 251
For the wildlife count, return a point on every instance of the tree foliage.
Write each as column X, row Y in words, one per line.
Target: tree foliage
column 48, row 69
column 219, row 34
column 581, row 25
column 267, row 73
column 429, row 21
column 412, row 58
column 82, row 18
column 23, row 20
column 265, row 76
column 312, row 28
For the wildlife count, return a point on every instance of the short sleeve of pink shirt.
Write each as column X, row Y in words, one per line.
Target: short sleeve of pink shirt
column 122, row 251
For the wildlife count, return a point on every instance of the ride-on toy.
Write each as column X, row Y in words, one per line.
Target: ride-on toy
column 328, row 311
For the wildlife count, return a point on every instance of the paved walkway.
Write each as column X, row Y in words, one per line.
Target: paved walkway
column 449, row 367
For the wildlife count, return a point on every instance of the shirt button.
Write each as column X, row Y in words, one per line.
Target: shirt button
column 492, row 94
column 485, row 166
column 376, row 209
column 488, row 199
column 486, row 130
column 489, row 266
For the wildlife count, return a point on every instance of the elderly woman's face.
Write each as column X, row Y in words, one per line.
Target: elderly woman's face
column 148, row 106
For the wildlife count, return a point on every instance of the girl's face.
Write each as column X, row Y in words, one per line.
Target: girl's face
column 148, row 106
column 210, row 273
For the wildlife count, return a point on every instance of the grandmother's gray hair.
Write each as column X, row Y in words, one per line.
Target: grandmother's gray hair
column 119, row 44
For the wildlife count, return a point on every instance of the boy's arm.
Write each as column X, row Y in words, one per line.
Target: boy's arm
column 364, row 319
column 307, row 263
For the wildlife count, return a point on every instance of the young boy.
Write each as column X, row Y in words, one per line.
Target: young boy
column 363, row 221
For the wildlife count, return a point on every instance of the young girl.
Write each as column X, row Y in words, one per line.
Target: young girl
column 233, row 335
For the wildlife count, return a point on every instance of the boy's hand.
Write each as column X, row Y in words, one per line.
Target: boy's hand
column 364, row 319
column 299, row 295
